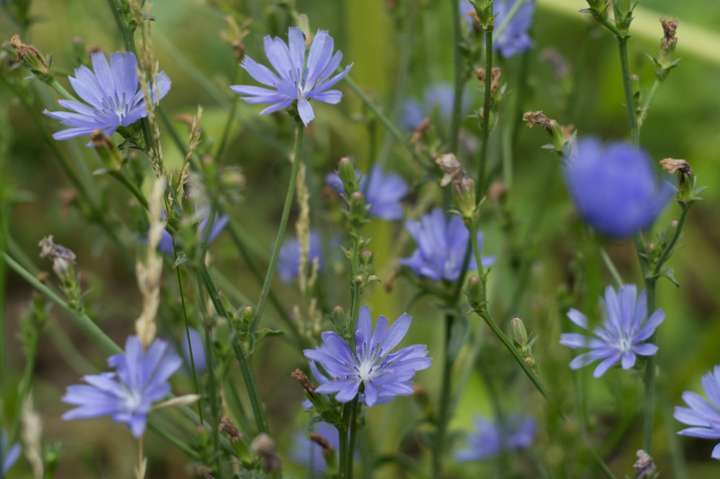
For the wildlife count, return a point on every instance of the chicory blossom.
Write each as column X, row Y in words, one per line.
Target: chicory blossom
column 703, row 415
column 623, row 334
column 127, row 394
column 514, row 37
column 383, row 192
column 491, row 438
column 198, row 350
column 9, row 453
column 289, row 257
column 614, row 187
column 369, row 368
column 310, row 454
column 441, row 246
column 166, row 246
column 112, row 96
column 295, row 79
column 438, row 97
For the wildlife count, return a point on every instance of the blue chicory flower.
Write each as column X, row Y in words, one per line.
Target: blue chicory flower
column 112, row 95
column 490, row 438
column 9, row 453
column 294, row 78
column 289, row 257
column 165, row 244
column 383, row 192
column 198, row 350
column 438, row 97
column 514, row 37
column 310, row 454
column 370, row 368
column 614, row 187
column 441, row 246
column 703, row 415
column 127, row 394
column 621, row 337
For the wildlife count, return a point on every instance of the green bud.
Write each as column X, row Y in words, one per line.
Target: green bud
column 346, row 171
column 464, row 194
column 476, row 292
column 519, row 332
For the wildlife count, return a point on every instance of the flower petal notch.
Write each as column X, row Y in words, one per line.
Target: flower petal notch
column 296, row 78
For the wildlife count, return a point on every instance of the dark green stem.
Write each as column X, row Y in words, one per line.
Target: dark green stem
column 487, row 100
column 459, row 77
column 186, row 322
column 130, row 186
column 444, row 405
column 627, row 87
column 353, row 427
column 287, row 206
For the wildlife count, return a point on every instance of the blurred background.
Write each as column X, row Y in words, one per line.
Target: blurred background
column 398, row 48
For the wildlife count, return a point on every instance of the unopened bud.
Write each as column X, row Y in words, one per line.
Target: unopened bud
column 519, row 332
column 420, row 131
column 495, row 78
column 464, row 193
column 107, row 150
column 476, row 292
column 348, row 176
column 304, row 381
column 366, row 255
column 264, row 447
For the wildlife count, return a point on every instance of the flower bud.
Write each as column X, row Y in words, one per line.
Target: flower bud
column 476, row 292
column 685, row 176
column 264, row 447
column 107, row 150
column 519, row 332
column 464, row 194
column 348, row 176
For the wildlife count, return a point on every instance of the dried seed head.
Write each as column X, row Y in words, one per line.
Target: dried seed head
column 63, row 258
column 669, row 41
column 497, row 191
column 264, row 447
column 230, row 430
column 672, row 166
column 420, row 131
column 31, row 57
column 304, row 381
column 321, row 441
column 644, row 466
column 539, row 118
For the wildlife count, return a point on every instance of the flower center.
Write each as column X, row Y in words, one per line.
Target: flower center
column 366, row 370
column 132, row 400
column 625, row 345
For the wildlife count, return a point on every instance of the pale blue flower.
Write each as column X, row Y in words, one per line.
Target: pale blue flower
column 310, row 454
column 703, row 415
column 112, row 95
column 614, row 187
column 289, row 257
column 219, row 223
column 514, row 38
column 127, row 394
column 623, row 334
column 490, row 438
column 369, row 365
column 441, row 246
column 438, row 98
column 9, row 453
column 295, row 79
column 383, row 192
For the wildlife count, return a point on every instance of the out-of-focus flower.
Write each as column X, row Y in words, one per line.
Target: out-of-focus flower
column 514, row 37
column 198, row 350
column 383, row 192
column 614, row 187
column 220, row 222
column 623, row 334
column 9, row 453
column 491, row 438
column 294, row 78
column 703, row 415
column 127, row 394
column 310, row 454
column 438, row 97
column 289, row 257
column 112, row 95
column 441, row 246
column 370, row 364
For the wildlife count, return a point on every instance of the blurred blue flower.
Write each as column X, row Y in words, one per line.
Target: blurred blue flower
column 9, row 453
column 514, row 38
column 438, row 97
column 289, row 257
column 310, row 454
column 489, row 439
column 703, row 415
column 382, row 374
column 614, row 187
column 441, row 246
column 220, row 222
column 112, row 95
column 621, row 337
column 383, row 192
column 295, row 79
column 198, row 350
column 127, row 394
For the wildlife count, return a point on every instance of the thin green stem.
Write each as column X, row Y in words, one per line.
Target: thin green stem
column 645, row 106
column 131, row 187
column 355, row 286
column 482, row 161
column 61, row 90
column 228, row 127
column 287, row 206
column 444, row 405
column 508, row 18
column 186, row 322
column 343, row 433
column 353, row 427
column 611, row 267
column 459, row 76
column 627, row 88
